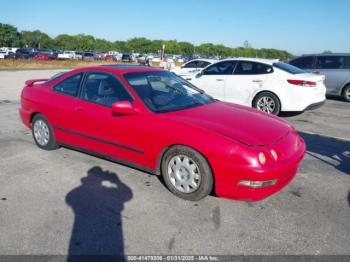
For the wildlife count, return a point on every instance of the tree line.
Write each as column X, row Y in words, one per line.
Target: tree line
column 11, row 37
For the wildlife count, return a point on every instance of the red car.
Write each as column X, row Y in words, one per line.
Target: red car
column 153, row 120
column 43, row 57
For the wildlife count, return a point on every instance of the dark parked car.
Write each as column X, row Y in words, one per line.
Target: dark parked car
column 127, row 58
column 25, row 53
column 336, row 68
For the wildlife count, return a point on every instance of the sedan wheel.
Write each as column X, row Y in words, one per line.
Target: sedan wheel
column 186, row 173
column 346, row 93
column 268, row 103
column 42, row 133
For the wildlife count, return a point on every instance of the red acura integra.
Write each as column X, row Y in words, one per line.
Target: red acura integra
column 153, row 120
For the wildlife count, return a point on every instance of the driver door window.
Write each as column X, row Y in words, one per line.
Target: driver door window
column 103, row 89
column 222, row 68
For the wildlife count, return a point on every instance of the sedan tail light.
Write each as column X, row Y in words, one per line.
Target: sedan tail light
column 302, row 83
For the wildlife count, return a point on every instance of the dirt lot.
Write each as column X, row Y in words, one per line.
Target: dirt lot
column 42, row 195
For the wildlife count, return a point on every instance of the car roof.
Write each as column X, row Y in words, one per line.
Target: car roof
column 258, row 60
column 204, row 59
column 327, row 54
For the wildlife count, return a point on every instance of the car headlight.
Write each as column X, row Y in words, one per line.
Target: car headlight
column 274, row 154
column 262, row 158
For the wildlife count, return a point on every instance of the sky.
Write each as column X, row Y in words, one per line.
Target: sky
column 298, row 26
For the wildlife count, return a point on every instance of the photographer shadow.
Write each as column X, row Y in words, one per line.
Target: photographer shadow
column 97, row 203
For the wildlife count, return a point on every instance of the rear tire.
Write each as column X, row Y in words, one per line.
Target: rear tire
column 43, row 134
column 346, row 93
column 186, row 173
column 268, row 103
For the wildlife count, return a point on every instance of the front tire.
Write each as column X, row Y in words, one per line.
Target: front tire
column 268, row 103
column 42, row 133
column 186, row 173
column 346, row 93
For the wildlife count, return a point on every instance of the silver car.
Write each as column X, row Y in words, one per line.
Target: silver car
column 336, row 68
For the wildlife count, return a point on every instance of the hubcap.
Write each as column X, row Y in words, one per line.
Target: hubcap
column 41, row 132
column 266, row 104
column 184, row 174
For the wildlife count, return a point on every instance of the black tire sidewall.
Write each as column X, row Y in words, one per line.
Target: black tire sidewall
column 206, row 183
column 51, row 145
column 277, row 110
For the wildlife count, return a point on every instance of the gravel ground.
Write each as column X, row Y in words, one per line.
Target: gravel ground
column 42, row 195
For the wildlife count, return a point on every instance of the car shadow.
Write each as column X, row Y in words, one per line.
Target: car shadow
column 290, row 113
column 97, row 203
column 332, row 151
column 335, row 98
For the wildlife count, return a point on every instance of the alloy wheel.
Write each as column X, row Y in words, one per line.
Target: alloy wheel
column 266, row 104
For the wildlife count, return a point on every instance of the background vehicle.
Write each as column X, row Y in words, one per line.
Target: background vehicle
column 192, row 67
column 336, row 68
column 117, row 110
column 267, row 85
column 2, row 54
column 44, row 56
column 66, row 55
column 79, row 55
column 25, row 53
column 128, row 58
column 89, row 56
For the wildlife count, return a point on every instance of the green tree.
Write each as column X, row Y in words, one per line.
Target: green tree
column 36, row 39
column 9, row 36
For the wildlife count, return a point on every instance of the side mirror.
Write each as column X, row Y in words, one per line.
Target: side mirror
column 123, row 108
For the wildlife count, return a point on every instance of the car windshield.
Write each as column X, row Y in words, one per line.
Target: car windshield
column 163, row 91
column 289, row 68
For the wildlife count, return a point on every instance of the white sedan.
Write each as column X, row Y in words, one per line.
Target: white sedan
column 267, row 85
column 192, row 67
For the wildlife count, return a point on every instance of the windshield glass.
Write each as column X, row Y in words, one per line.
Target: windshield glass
column 289, row 68
column 163, row 91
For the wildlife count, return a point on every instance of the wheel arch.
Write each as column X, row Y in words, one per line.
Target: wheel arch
column 167, row 148
column 32, row 115
column 344, row 86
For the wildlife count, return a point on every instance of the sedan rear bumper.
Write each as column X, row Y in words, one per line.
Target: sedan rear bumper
column 315, row 105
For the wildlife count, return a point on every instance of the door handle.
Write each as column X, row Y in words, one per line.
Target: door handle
column 315, row 72
column 257, row 81
column 79, row 109
column 220, row 80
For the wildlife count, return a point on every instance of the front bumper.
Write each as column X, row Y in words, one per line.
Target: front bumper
column 229, row 183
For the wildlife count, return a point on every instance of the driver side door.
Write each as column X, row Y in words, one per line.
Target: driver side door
column 122, row 137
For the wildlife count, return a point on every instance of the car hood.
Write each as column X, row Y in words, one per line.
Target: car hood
column 240, row 123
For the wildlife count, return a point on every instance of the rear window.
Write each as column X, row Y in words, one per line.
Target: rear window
column 289, row 68
column 54, row 77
